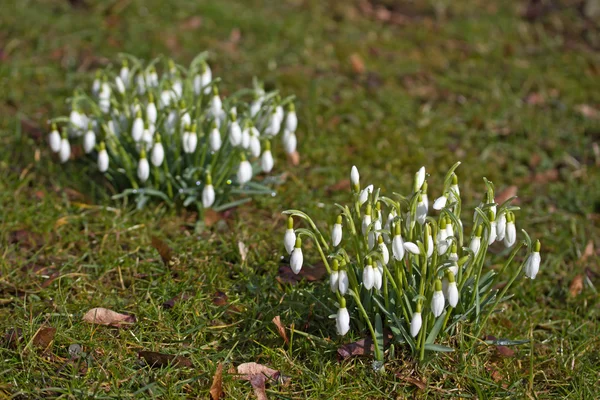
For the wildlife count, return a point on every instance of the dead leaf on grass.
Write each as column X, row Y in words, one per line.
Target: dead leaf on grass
column 362, row 347
column 104, row 316
column 166, row 254
column 180, row 297
column 26, row 238
column 294, row 158
column 211, row 217
column 281, row 329
column 216, row 389
column 310, row 273
column 576, row 286
column 588, row 111
column 159, row 360
column 220, row 298
column 257, row 375
column 43, row 337
column 421, row 385
column 588, row 252
column 358, row 65
column 343, row 185
column 506, row 194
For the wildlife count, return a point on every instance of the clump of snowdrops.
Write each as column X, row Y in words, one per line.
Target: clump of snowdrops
column 401, row 265
column 172, row 136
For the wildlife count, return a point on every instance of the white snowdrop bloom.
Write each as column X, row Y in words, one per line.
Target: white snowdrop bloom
column 141, row 84
column 454, row 191
column 366, row 221
column 124, row 74
column 430, row 246
column 190, row 141
column 449, row 228
column 147, row 138
column 151, row 112
column 437, row 300
column 440, row 202
column 185, row 119
column 137, row 129
column 296, row 259
column 453, row 256
column 216, row 106
column 152, row 79
column 475, row 244
column 291, row 120
column 342, row 321
column 532, row 265
column 266, row 161
column 398, row 244
column 171, row 122
column 254, row 147
column 289, row 239
column 102, row 158
column 355, row 177
column 336, row 232
column 246, row 136
column 411, row 248
column 158, row 153
column 419, row 178
column 120, row 85
column 78, row 120
column 235, row 133
column 368, row 277
column 165, row 98
column 113, row 128
column 290, row 142
column 104, row 105
column 343, row 282
column 385, row 252
column 364, row 194
column 244, row 173
column 96, row 84
column 54, row 139
column 64, row 153
column 214, row 139
column 421, row 211
column 373, row 235
column 105, row 91
column 442, row 243
column 255, row 107
column 177, row 89
column 388, row 227
column 143, row 170
column 89, row 141
column 378, row 276
column 208, row 195
column 452, row 294
column 415, row 324
column 279, row 113
column 274, row 125
column 203, row 79
column 493, row 234
column 510, row 234
column 334, row 278
column 501, row 227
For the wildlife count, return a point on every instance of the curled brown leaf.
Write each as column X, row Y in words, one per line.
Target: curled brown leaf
column 104, row 316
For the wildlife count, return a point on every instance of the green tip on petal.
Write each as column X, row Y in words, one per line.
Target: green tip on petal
column 342, row 302
column 143, row 153
column 454, row 179
column 450, row 276
column 290, row 222
column 491, row 216
column 232, row 116
column 298, row 243
column 369, row 261
column 102, row 146
column 369, row 210
column 479, row 231
column 537, row 246
column 437, row 285
column 339, row 219
column 335, row 265
column 424, row 187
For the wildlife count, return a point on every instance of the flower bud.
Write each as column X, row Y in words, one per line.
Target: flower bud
column 214, row 138
column 54, row 139
column 437, row 300
column 532, row 265
column 510, row 235
column 296, row 259
column 419, row 179
column 336, row 232
column 143, row 170
column 501, row 227
column 476, row 241
column 102, row 158
column 244, row 173
column 366, row 222
column 291, row 120
column 343, row 281
column 355, row 179
column 411, row 248
column 266, row 161
column 334, row 277
column 137, row 129
column 235, row 133
column 440, row 202
column 364, row 194
column 158, row 153
column 378, row 276
column 64, row 153
column 421, row 210
column 290, row 142
column 398, row 243
column 151, row 112
column 342, row 320
column 208, row 193
column 416, row 322
column 289, row 238
column 385, row 253
column 89, row 141
column 368, row 275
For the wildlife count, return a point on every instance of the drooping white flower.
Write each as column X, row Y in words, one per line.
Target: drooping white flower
column 296, row 259
column 54, row 139
column 355, row 178
column 419, row 178
column 373, row 234
column 430, row 246
column 89, row 141
column 290, row 142
column 368, row 276
column 151, row 112
column 141, row 84
column 291, row 120
column 96, row 84
column 254, row 146
column 246, row 136
column 203, row 79
column 102, row 158
column 442, row 239
column 378, row 276
column 105, row 91
column 244, row 173
column 437, row 300
column 532, row 265
column 78, row 120
column 342, row 321
column 289, row 239
column 235, row 133
column 216, row 106
column 274, row 124
column 120, row 85
column 336, row 232
column 385, row 252
column 208, row 194
column 166, row 96
column 214, row 139
column 475, row 244
column 143, row 170
column 421, row 211
column 364, row 194
column 158, row 153
column 493, row 234
column 398, row 244
column 189, row 141
column 334, row 278
column 266, row 161
column 124, row 73
column 343, row 281
column 454, row 191
column 510, row 234
column 137, row 129
column 64, row 153
column 366, row 221
column 255, row 106
column 501, row 227
column 411, row 248
column 451, row 292
column 147, row 137
column 416, row 322
column 440, row 202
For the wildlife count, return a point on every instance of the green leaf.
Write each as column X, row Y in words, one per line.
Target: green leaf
column 438, row 348
column 379, row 334
column 435, row 330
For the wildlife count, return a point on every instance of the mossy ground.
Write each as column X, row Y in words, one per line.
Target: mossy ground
column 515, row 99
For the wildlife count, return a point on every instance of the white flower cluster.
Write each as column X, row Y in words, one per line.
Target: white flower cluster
column 173, row 132
column 399, row 253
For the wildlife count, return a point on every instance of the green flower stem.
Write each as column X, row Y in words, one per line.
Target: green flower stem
column 422, row 337
column 167, row 179
column 378, row 353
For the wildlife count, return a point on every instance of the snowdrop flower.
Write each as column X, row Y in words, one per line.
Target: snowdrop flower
column 492, row 234
column 141, row 84
column 203, row 79
column 216, row 106
column 279, row 112
column 137, row 129
column 214, row 139
column 343, row 281
column 54, row 139
column 412, row 248
column 421, row 211
column 158, row 152
column 289, row 239
column 254, row 146
column 120, row 85
column 366, row 222
column 291, row 120
column 510, row 234
column 532, row 265
column 417, row 321
column 290, row 142
column 105, row 90
column 185, row 119
column 388, row 226
column 442, row 243
column 143, row 170
column 102, row 158
column 368, row 275
column 364, row 194
column 190, row 140
column 419, row 179
column 454, row 192
column 437, row 300
column 256, row 105
column 171, row 121
column 476, row 241
column 244, row 173
column 151, row 112
column 385, row 253
column 334, row 278
column 274, row 124
column 355, row 179
column 440, row 202
column 373, row 233
column 428, row 241
column 78, row 120
column 342, row 319
column 424, row 197
column 235, row 132
column 501, row 227
column 266, row 161
column 398, row 243
column 336, row 232
column 147, row 137
column 64, row 153
column 246, row 135
column 208, row 193
column 96, row 84
column 89, row 141
column 124, row 73
column 453, row 255
column 449, row 227
column 152, row 78
column 451, row 292
column 296, row 259
column 378, row 276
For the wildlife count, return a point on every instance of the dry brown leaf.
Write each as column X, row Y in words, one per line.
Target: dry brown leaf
column 158, row 360
column 44, row 337
column 358, row 65
column 588, row 111
column 216, row 389
column 505, row 351
column 576, row 286
column 310, row 273
column 25, row 239
column 535, row 99
column 220, row 298
column 104, row 316
column 258, row 375
column 421, row 385
column 281, row 329
column 294, row 158
column 362, row 347
column 343, row 185
column 589, row 251
column 550, row 175
column 180, row 297
column 191, row 23
column 506, row 194
column 211, row 217
column 163, row 249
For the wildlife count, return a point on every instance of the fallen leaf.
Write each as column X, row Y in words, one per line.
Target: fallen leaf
column 281, row 329
column 358, row 66
column 211, row 217
column 163, row 249
column 505, row 351
column 343, row 185
column 180, row 297
column 220, row 298
column 310, row 273
column 362, row 347
column 588, row 252
column 506, row 194
column 25, row 238
column 588, row 111
column 421, row 385
column 104, row 316
column 216, row 389
column 294, row 158
column 191, row 23
column 576, row 286
column 43, row 337
column 243, row 250
column 550, row 175
column 258, row 375
column 159, row 360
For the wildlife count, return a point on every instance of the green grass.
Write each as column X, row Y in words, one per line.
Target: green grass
column 438, row 88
